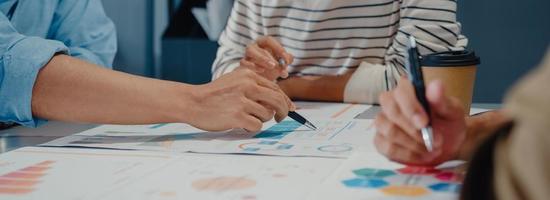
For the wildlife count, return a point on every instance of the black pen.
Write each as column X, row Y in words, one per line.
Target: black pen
column 417, row 79
column 294, row 115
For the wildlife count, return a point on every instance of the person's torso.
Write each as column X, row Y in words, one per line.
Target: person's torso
column 333, row 36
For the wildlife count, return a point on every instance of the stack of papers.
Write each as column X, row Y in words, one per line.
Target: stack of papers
column 177, row 161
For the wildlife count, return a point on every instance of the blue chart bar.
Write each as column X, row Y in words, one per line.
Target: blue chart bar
column 278, row 131
column 157, row 126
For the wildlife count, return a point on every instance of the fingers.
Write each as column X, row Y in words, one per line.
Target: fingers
column 251, row 66
column 392, row 110
column 395, row 152
column 405, row 97
column 266, row 52
column 401, row 154
column 388, row 129
column 274, row 99
column 276, row 48
column 271, row 85
column 264, row 82
column 441, row 105
column 263, row 113
column 260, row 57
column 250, row 123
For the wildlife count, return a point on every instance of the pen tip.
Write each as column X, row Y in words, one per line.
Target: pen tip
column 427, row 136
column 311, row 126
column 282, row 62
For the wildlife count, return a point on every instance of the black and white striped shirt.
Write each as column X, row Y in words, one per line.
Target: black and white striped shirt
column 330, row 37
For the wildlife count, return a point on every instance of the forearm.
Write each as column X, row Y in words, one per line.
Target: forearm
column 316, row 88
column 479, row 128
column 69, row 89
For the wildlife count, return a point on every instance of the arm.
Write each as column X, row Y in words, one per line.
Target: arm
column 86, row 30
column 432, row 22
column 316, row 88
column 89, row 93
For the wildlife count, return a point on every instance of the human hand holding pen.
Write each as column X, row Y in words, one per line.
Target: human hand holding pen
column 398, row 125
column 263, row 57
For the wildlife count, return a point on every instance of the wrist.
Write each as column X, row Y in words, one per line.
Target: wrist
column 478, row 129
column 473, row 125
column 188, row 98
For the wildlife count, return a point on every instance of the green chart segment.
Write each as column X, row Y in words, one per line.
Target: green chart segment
column 278, row 131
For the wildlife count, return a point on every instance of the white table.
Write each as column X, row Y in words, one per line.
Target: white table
column 18, row 137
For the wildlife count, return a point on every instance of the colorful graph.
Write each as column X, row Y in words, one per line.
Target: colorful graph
column 264, row 145
column 278, row 131
column 167, row 141
column 23, row 181
column 327, row 130
column 406, row 182
column 223, row 183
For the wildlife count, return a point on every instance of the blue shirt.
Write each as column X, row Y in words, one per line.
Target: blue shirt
column 32, row 31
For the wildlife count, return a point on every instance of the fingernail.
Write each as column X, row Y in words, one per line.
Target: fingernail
column 285, row 74
column 417, row 121
column 272, row 64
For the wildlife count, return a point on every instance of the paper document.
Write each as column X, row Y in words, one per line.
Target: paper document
column 69, row 173
column 336, row 111
column 371, row 176
column 333, row 138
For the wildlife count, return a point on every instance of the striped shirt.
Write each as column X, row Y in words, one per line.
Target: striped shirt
column 330, row 37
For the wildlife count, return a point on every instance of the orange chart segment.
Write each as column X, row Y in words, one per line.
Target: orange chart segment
column 23, row 181
column 405, row 190
column 337, row 114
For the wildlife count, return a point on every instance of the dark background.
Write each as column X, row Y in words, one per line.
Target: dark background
column 511, row 37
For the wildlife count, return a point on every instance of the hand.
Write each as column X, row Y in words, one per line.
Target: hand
column 263, row 57
column 398, row 136
column 240, row 99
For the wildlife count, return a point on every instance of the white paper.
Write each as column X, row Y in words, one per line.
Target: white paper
column 63, row 173
column 371, row 176
column 474, row 111
column 334, row 138
column 336, row 111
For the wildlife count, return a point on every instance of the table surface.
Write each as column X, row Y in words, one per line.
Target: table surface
column 18, row 137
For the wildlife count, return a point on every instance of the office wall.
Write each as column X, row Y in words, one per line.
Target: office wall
column 133, row 20
column 511, row 36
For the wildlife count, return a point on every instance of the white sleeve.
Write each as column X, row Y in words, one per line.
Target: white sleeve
column 242, row 28
column 432, row 22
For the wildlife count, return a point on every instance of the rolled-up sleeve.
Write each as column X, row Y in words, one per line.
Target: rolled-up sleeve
column 86, row 30
column 432, row 22
column 21, row 58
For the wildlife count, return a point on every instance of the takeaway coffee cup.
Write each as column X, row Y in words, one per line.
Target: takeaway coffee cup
column 457, row 71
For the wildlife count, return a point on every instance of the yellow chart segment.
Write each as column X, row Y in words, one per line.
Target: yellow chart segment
column 405, row 190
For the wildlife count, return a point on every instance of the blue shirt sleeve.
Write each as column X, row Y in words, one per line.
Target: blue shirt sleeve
column 21, row 57
column 86, row 30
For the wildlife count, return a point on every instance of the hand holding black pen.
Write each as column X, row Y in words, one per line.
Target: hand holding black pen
column 417, row 79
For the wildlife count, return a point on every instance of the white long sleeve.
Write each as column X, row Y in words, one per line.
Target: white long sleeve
column 333, row 37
